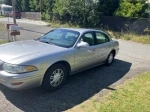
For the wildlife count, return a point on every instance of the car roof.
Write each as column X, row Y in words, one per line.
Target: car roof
column 81, row 30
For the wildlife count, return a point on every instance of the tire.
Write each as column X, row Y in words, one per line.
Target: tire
column 110, row 58
column 55, row 77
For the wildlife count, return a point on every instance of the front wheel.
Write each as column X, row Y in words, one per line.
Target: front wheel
column 110, row 59
column 55, row 77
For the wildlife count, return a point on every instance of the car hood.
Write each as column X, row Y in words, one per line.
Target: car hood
column 24, row 49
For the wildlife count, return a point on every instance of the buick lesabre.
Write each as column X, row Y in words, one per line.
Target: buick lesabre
column 48, row 60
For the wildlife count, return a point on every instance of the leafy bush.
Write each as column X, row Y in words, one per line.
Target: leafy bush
column 45, row 16
column 132, row 8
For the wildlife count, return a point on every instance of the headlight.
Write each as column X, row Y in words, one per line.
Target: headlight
column 18, row 69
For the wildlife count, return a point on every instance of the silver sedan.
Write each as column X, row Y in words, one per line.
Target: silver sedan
column 48, row 60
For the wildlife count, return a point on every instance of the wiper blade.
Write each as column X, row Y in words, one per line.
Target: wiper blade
column 49, row 42
column 44, row 41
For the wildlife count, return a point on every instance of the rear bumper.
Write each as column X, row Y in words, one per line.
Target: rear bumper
column 18, row 16
column 29, row 80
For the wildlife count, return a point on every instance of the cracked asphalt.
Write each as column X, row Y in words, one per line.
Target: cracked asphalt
column 133, row 59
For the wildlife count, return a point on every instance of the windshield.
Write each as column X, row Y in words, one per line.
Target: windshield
column 60, row 37
column 7, row 8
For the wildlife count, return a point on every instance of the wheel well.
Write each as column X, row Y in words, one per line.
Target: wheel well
column 65, row 63
column 114, row 52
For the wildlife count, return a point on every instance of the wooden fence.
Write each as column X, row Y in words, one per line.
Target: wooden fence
column 135, row 25
column 31, row 15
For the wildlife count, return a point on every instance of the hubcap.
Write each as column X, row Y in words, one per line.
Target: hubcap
column 56, row 77
column 110, row 59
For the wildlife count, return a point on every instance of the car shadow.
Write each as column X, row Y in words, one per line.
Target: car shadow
column 78, row 88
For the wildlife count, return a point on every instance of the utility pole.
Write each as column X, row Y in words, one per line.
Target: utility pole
column 14, row 12
column 41, row 6
column 14, row 16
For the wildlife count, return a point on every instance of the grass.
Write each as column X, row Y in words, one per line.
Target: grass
column 133, row 96
column 2, row 27
column 145, row 39
column 3, row 41
column 1, row 16
column 57, row 24
column 137, row 38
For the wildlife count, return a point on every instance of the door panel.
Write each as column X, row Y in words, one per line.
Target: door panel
column 102, row 47
column 101, row 52
column 84, row 56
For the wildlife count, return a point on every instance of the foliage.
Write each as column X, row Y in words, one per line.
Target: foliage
column 78, row 11
column 131, row 8
column 45, row 15
column 145, row 39
column 1, row 16
column 86, row 13
column 25, row 5
column 107, row 7
column 2, row 26
column 47, row 5
column 3, row 41
column 7, row 2
column 18, row 7
column 47, row 9
column 34, row 5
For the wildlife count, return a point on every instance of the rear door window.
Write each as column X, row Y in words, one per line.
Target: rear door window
column 101, row 38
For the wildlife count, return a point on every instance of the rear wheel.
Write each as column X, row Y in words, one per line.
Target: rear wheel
column 55, row 77
column 110, row 58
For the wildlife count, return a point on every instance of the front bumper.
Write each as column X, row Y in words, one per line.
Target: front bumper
column 117, row 51
column 6, row 14
column 29, row 80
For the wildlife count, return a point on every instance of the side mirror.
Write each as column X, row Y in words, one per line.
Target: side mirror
column 82, row 45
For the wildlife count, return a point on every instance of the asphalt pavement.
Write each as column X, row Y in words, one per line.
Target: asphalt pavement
column 29, row 29
column 133, row 59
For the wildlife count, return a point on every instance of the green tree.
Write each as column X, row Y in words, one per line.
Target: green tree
column 145, row 12
column 131, row 8
column 25, row 5
column 34, row 5
column 7, row 2
column 48, row 5
column 83, row 10
column 107, row 7
column 47, row 12
column 18, row 5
